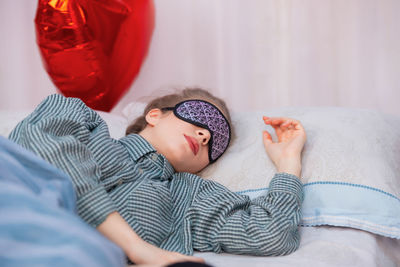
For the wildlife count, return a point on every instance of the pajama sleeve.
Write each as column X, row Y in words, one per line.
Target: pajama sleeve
column 63, row 131
column 223, row 221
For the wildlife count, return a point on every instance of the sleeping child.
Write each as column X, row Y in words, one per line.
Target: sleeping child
column 142, row 191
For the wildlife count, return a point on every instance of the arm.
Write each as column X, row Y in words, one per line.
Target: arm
column 267, row 225
column 64, row 132
column 61, row 131
column 223, row 221
column 138, row 251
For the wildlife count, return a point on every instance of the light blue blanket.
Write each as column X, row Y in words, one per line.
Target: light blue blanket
column 38, row 224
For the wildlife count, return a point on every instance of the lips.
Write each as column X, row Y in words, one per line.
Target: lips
column 193, row 144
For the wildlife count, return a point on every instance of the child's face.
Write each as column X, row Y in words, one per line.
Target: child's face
column 184, row 145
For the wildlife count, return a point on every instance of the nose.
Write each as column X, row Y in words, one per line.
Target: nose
column 203, row 135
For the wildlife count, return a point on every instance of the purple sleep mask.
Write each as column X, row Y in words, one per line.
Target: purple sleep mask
column 204, row 114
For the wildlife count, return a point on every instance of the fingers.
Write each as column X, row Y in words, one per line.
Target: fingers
column 274, row 123
column 195, row 259
column 182, row 257
column 267, row 138
column 285, row 128
column 282, row 123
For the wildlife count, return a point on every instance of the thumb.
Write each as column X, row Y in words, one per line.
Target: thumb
column 267, row 138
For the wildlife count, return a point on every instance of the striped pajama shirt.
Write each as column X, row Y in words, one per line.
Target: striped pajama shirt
column 175, row 211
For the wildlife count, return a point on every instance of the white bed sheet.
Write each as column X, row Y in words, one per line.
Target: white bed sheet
column 320, row 246
column 324, row 246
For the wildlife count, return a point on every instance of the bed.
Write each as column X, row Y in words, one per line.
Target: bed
column 351, row 177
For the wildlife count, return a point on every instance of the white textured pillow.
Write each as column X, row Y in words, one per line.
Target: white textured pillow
column 351, row 165
column 9, row 119
column 344, row 145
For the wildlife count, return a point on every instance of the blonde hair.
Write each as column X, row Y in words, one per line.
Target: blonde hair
column 172, row 99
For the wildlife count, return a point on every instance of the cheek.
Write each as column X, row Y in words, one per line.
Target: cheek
column 204, row 161
column 173, row 147
column 176, row 147
column 205, row 156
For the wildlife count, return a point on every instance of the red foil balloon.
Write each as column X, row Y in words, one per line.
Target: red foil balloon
column 93, row 49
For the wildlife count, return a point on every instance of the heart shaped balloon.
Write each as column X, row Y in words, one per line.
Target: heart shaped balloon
column 93, row 49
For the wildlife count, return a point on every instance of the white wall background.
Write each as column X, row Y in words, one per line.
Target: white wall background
column 255, row 54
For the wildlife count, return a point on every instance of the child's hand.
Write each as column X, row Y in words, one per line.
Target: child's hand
column 116, row 229
column 286, row 153
column 148, row 254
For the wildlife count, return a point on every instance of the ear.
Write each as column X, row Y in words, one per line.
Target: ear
column 153, row 116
